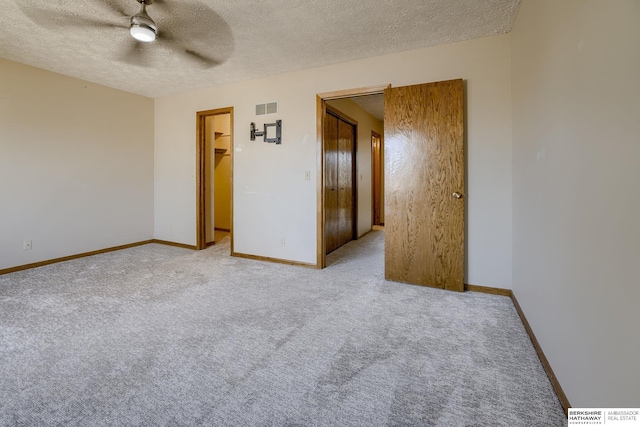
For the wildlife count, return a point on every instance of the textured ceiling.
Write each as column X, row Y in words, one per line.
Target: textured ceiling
column 206, row 43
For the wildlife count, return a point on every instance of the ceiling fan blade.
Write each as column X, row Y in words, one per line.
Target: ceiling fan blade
column 136, row 54
column 203, row 60
column 168, row 41
column 54, row 19
column 197, row 32
column 188, row 18
column 115, row 6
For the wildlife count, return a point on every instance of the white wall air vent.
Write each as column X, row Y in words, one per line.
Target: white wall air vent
column 267, row 108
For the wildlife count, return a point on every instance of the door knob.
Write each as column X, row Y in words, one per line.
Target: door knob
column 457, row 195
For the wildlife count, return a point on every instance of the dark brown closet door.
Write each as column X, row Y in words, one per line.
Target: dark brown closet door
column 331, row 229
column 339, row 203
column 346, row 136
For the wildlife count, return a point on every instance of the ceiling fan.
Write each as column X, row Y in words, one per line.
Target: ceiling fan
column 184, row 28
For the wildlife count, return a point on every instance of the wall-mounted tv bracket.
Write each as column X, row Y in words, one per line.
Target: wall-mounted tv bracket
column 277, row 139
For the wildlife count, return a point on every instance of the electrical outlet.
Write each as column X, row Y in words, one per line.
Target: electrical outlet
column 282, row 242
column 26, row 245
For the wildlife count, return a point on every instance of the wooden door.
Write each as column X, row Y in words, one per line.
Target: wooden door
column 346, row 137
column 424, row 184
column 331, row 183
column 339, row 191
column 376, row 156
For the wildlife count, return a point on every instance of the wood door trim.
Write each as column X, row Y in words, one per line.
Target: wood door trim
column 320, row 173
column 274, row 260
column 177, row 245
column 320, row 112
column 201, row 116
column 348, row 93
column 70, row 257
column 487, row 290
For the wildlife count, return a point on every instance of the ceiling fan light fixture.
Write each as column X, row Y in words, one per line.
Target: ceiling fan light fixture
column 142, row 26
column 142, row 33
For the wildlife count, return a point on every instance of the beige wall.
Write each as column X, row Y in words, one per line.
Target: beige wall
column 76, row 165
column 366, row 124
column 272, row 199
column 576, row 169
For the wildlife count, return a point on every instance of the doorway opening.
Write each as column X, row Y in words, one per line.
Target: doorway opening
column 214, row 176
column 377, row 162
column 423, row 181
column 348, row 103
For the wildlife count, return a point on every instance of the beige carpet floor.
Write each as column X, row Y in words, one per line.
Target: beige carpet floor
column 164, row 336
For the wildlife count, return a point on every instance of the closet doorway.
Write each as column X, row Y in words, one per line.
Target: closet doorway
column 214, row 176
column 352, row 112
column 377, row 175
column 423, row 198
column 340, row 183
